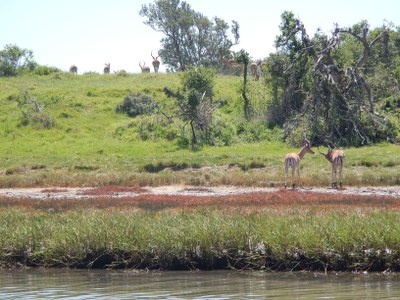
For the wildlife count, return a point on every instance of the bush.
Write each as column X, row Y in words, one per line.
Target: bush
column 155, row 127
column 42, row 120
column 14, row 59
column 45, row 70
column 136, row 104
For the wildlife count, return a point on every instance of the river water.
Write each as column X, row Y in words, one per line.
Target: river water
column 128, row 284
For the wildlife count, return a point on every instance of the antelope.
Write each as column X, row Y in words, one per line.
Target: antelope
column 257, row 72
column 228, row 62
column 253, row 68
column 73, row 69
column 145, row 69
column 336, row 158
column 107, row 69
column 293, row 160
column 120, row 72
column 155, row 63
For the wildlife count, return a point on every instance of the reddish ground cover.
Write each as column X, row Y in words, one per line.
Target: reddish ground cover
column 281, row 199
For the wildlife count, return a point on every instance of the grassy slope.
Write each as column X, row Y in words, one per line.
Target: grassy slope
column 93, row 145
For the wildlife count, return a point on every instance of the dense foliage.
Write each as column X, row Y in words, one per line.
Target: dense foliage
column 336, row 88
column 195, row 104
column 136, row 104
column 14, row 59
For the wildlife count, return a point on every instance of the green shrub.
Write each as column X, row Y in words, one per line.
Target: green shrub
column 136, row 104
column 45, row 70
column 155, row 127
column 42, row 120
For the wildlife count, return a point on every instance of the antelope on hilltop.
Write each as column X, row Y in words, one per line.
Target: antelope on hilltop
column 107, row 69
column 145, row 69
column 73, row 69
column 155, row 62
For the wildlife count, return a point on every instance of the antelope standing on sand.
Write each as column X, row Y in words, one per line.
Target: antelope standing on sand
column 107, row 69
column 145, row 69
column 155, row 63
column 336, row 158
column 73, row 69
column 293, row 160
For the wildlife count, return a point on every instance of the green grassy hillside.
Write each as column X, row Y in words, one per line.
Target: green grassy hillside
column 79, row 139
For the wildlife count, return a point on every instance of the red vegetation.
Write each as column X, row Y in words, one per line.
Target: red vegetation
column 282, row 199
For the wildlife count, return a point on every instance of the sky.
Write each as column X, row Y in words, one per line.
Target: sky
column 90, row 33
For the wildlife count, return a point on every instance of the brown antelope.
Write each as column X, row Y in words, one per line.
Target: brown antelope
column 253, row 68
column 155, row 63
column 336, row 158
column 293, row 160
column 107, row 69
column 145, row 69
column 258, row 71
column 73, row 69
column 228, row 62
column 120, row 72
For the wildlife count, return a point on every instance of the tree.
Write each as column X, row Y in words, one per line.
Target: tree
column 14, row 58
column 191, row 39
column 194, row 103
column 326, row 82
column 243, row 57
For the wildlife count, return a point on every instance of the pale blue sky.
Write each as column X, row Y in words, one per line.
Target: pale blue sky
column 90, row 33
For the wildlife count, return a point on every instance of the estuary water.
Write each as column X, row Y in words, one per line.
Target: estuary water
column 129, row 284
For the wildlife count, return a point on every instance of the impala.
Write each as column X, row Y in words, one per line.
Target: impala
column 155, row 62
column 73, row 69
column 228, row 62
column 107, row 69
column 293, row 160
column 336, row 158
column 145, row 69
column 253, row 68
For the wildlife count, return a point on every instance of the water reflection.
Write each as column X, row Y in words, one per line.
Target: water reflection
column 123, row 284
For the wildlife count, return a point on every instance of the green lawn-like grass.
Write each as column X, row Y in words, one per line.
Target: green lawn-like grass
column 90, row 144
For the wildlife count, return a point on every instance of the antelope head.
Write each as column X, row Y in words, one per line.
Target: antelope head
column 327, row 155
column 307, row 146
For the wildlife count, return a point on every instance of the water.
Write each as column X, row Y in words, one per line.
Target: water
column 122, row 284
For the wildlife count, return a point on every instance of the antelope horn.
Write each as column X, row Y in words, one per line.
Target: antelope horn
column 324, row 154
column 306, row 141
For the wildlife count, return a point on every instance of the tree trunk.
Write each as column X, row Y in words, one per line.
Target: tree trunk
column 246, row 107
column 194, row 139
